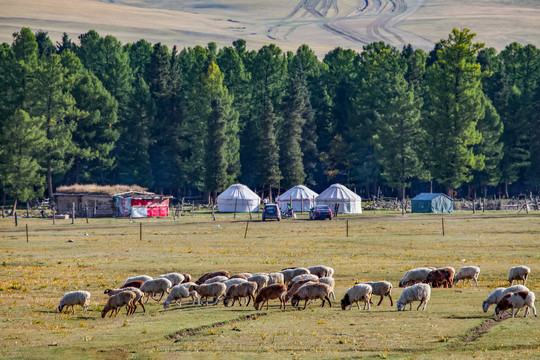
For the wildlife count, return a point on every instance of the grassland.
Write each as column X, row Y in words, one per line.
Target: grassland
column 35, row 275
column 323, row 25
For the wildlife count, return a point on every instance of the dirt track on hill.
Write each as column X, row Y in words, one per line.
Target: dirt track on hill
column 369, row 21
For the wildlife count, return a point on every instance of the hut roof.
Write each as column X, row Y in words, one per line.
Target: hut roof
column 101, row 189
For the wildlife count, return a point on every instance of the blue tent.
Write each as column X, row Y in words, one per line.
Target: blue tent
column 432, row 203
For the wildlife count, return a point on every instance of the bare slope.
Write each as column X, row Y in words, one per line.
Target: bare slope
column 323, row 24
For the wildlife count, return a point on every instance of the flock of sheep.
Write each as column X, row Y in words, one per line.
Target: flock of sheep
column 297, row 284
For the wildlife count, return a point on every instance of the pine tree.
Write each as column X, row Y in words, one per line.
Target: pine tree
column 267, row 149
column 455, row 107
column 22, row 138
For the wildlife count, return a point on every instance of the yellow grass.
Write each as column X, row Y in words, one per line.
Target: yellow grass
column 322, row 25
column 105, row 252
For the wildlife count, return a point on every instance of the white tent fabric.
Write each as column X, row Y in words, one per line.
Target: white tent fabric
column 301, row 197
column 349, row 202
column 238, row 198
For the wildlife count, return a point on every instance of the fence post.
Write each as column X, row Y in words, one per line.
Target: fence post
column 247, row 224
column 140, row 231
column 54, row 214
column 87, row 213
column 442, row 221
column 16, row 220
column 347, row 222
column 26, row 232
column 235, row 203
column 73, row 213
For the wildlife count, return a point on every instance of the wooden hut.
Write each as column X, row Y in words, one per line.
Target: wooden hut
column 108, row 201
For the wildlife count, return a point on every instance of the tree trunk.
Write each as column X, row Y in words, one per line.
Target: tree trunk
column 450, row 191
column 431, row 186
column 506, row 189
column 49, row 177
column 403, row 200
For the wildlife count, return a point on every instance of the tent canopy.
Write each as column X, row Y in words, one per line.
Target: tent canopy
column 238, row 198
column 432, row 203
column 300, row 197
column 349, row 202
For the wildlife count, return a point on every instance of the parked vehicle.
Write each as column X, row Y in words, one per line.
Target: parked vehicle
column 320, row 212
column 271, row 211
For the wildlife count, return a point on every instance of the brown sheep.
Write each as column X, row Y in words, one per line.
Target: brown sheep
column 439, row 278
column 274, row 291
column 118, row 301
column 239, row 276
column 210, row 275
column 187, row 278
column 294, row 288
column 139, row 295
column 312, row 292
column 136, row 284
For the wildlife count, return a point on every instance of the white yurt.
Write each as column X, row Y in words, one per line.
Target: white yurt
column 238, row 198
column 300, row 197
column 349, row 202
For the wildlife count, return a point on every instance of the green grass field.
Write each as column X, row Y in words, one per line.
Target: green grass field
column 381, row 246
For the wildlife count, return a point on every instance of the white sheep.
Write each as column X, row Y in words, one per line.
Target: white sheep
column 418, row 292
column 174, row 277
column 381, row 288
column 177, row 293
column 143, row 278
column 73, row 298
column 321, row 271
column 139, row 295
column 260, row 279
column 275, row 278
column 330, row 282
column 194, row 295
column 216, row 279
column 468, row 273
column 235, row 281
column 518, row 273
column 215, row 290
column 355, row 294
column 415, row 276
column 303, row 277
column 153, row 287
column 499, row 293
column 246, row 274
column 516, row 300
column 289, row 274
column 239, row 291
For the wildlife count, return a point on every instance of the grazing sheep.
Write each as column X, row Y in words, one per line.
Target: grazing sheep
column 237, row 291
column 276, row 278
column 468, row 273
column 176, row 295
column 274, row 291
column 321, row 271
column 139, row 295
column 136, row 284
column 289, row 274
column 518, row 273
column 260, row 279
column 235, row 281
column 516, row 300
column 174, row 278
column 330, row 282
column 239, row 276
column 297, row 285
column 118, row 301
column 381, row 288
column 499, row 293
column 440, row 278
column 193, row 294
column 214, row 290
column 303, row 277
column 359, row 292
column 247, row 275
column 415, row 276
column 210, row 275
column 418, row 292
column 154, row 287
column 216, row 279
column 311, row 291
column 187, row 278
column 73, row 298
column 143, row 278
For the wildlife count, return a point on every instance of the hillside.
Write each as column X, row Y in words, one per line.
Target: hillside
column 322, row 24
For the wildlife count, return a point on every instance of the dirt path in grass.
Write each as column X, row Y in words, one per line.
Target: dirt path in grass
column 367, row 22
